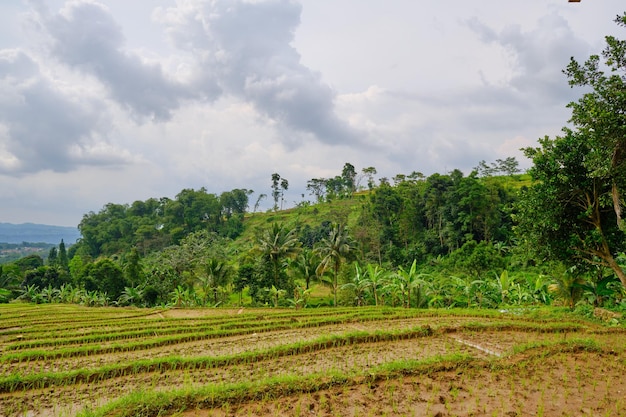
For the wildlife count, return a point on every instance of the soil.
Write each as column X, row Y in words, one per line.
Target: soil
column 563, row 385
column 497, row 382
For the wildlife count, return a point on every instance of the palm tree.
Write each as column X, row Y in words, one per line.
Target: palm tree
column 215, row 275
column 277, row 244
column 304, row 266
column 333, row 251
column 568, row 286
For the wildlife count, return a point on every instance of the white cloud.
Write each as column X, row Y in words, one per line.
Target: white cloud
column 114, row 101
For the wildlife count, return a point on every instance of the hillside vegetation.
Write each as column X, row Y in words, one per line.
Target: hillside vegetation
column 437, row 241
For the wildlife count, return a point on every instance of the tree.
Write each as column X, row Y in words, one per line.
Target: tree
column 216, row 274
column 243, row 278
column 9, row 282
column 573, row 211
column 277, row 244
column 304, row 266
column 377, row 278
column 63, row 260
column 369, row 173
column 348, row 175
column 567, row 214
column 53, row 255
column 600, row 115
column 132, row 268
column 235, row 201
column 107, row 277
column 333, row 251
column 279, row 186
column 508, row 166
column 43, row 277
column 317, row 188
column 258, row 201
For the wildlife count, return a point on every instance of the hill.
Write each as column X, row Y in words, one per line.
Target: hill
column 31, row 232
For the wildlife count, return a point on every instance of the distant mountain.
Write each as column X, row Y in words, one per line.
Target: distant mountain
column 30, row 232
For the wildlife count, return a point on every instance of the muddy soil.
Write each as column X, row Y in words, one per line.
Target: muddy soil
column 579, row 384
column 351, row 359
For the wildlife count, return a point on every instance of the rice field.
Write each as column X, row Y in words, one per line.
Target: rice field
column 67, row 360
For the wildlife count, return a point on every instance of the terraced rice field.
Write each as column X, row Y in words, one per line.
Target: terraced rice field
column 61, row 360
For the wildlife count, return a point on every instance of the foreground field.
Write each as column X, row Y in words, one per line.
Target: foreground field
column 60, row 360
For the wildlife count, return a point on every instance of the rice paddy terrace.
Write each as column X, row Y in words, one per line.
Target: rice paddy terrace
column 66, row 360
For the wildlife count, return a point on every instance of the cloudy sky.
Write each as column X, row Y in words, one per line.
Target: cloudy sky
column 116, row 100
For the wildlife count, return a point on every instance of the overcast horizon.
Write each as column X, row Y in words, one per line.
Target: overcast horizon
column 113, row 101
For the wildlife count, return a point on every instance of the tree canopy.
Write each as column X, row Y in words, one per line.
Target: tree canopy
column 573, row 211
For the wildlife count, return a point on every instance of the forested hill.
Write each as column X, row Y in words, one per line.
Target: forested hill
column 35, row 233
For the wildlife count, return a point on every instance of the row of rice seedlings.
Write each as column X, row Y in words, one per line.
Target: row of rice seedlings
column 133, row 332
column 153, row 403
column 298, row 348
column 110, row 335
column 208, row 332
column 41, row 380
column 360, row 314
column 263, row 327
column 551, row 327
column 77, row 322
column 34, row 355
column 49, row 315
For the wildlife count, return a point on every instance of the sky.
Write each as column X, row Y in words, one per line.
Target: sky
column 114, row 101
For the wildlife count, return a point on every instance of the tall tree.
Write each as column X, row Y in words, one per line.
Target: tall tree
column 574, row 209
column 63, row 261
column 279, row 186
column 333, row 251
column 216, row 274
column 369, row 173
column 348, row 175
column 304, row 266
column 277, row 244
column 601, row 115
column 53, row 256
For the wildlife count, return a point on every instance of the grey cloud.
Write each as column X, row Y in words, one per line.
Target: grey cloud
column 15, row 62
column 45, row 129
column 85, row 36
column 485, row 33
column 247, row 45
column 538, row 55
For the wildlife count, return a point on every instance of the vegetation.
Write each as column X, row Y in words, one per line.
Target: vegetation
column 71, row 360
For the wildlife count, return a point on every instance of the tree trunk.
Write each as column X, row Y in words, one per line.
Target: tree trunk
column 617, row 269
column 617, row 206
column 336, row 270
